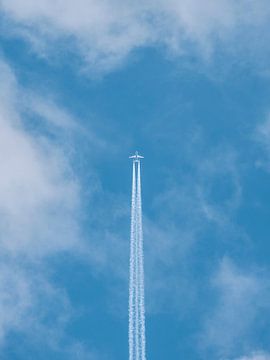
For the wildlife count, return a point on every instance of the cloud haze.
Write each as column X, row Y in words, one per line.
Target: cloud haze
column 242, row 299
column 106, row 32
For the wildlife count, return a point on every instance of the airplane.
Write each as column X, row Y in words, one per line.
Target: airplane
column 136, row 157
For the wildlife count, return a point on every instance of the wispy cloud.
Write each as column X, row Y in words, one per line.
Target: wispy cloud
column 256, row 355
column 262, row 138
column 242, row 297
column 39, row 207
column 36, row 181
column 106, row 32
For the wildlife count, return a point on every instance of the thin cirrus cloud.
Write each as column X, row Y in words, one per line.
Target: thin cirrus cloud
column 105, row 33
column 256, row 355
column 262, row 137
column 241, row 300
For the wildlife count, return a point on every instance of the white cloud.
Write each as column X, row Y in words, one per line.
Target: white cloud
column 257, row 355
column 262, row 137
column 39, row 207
column 242, row 297
column 23, row 295
column 38, row 193
column 105, row 32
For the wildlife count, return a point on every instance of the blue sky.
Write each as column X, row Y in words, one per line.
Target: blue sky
column 83, row 85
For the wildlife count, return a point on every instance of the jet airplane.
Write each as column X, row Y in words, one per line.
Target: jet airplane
column 136, row 157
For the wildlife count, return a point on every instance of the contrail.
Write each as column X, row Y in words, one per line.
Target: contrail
column 136, row 280
column 141, row 265
column 132, row 268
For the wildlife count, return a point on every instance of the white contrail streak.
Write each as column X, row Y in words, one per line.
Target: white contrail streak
column 136, row 280
column 141, row 265
column 132, row 268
